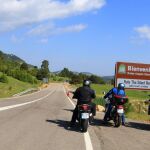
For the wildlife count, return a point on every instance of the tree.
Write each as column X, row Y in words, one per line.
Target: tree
column 96, row 79
column 3, row 78
column 1, row 56
column 76, row 79
column 66, row 73
column 44, row 71
column 24, row 66
column 34, row 71
column 45, row 65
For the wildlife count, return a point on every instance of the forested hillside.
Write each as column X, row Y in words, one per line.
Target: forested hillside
column 11, row 65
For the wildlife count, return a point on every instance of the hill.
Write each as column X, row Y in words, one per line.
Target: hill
column 75, row 72
column 11, row 57
column 12, row 65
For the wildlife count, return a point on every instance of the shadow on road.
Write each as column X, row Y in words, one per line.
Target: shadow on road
column 100, row 122
column 136, row 125
column 65, row 125
column 71, row 110
column 141, row 126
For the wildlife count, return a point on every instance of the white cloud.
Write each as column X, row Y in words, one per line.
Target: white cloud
column 15, row 13
column 15, row 39
column 143, row 31
column 51, row 29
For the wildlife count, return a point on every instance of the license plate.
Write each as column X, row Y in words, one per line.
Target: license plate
column 85, row 115
column 120, row 111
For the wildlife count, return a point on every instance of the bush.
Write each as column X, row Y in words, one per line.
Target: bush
column 129, row 107
column 3, row 78
column 22, row 76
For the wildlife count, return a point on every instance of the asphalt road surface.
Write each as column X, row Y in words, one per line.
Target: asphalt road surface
column 39, row 121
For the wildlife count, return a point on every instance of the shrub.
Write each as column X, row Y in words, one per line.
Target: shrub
column 3, row 78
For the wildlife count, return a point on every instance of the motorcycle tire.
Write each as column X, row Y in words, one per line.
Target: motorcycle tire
column 117, row 121
column 84, row 125
column 91, row 118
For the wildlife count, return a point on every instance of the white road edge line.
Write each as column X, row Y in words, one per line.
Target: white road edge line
column 15, row 97
column 18, row 105
column 87, row 139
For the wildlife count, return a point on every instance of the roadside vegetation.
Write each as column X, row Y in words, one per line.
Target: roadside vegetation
column 16, row 75
column 13, row 86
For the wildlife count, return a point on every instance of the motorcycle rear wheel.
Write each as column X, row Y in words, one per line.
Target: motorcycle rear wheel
column 84, row 125
column 117, row 121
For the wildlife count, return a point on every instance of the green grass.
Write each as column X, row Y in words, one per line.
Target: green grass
column 13, row 87
column 133, row 95
column 137, row 95
column 138, row 116
column 99, row 89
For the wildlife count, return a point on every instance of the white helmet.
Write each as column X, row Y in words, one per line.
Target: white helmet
column 86, row 83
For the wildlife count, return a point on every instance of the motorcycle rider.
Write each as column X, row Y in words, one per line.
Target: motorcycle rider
column 110, row 95
column 84, row 95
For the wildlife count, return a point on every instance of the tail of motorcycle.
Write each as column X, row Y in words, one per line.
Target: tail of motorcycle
column 118, row 115
column 84, row 116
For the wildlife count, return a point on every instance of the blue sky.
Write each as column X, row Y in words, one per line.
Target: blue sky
column 82, row 35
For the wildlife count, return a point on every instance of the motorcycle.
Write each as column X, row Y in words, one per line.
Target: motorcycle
column 84, row 116
column 117, row 110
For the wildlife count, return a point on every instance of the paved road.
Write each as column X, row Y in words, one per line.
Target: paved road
column 41, row 123
column 135, row 136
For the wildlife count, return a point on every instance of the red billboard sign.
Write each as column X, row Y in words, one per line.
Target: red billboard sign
column 133, row 75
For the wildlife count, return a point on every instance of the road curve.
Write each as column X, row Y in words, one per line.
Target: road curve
column 39, row 121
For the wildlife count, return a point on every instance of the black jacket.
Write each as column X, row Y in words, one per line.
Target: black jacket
column 84, row 94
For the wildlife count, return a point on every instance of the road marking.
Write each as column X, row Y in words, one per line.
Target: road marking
column 22, row 104
column 87, row 139
column 16, row 97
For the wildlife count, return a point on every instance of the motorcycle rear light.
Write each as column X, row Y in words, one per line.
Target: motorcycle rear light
column 120, row 107
column 85, row 107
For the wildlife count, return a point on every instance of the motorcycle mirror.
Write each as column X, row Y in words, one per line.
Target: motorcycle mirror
column 104, row 92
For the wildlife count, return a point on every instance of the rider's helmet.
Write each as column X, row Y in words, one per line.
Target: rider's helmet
column 121, row 86
column 86, row 83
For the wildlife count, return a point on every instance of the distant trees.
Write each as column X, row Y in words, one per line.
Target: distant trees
column 66, row 73
column 43, row 72
column 1, row 57
column 24, row 66
column 96, row 79
column 77, row 78
column 22, row 71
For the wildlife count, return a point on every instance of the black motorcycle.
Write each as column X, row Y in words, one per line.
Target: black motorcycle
column 117, row 110
column 84, row 116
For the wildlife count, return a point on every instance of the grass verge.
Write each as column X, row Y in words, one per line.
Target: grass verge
column 13, row 87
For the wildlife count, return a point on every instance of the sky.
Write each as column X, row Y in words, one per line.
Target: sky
column 82, row 35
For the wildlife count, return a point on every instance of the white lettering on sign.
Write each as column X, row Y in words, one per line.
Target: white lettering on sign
column 138, row 69
column 135, row 83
